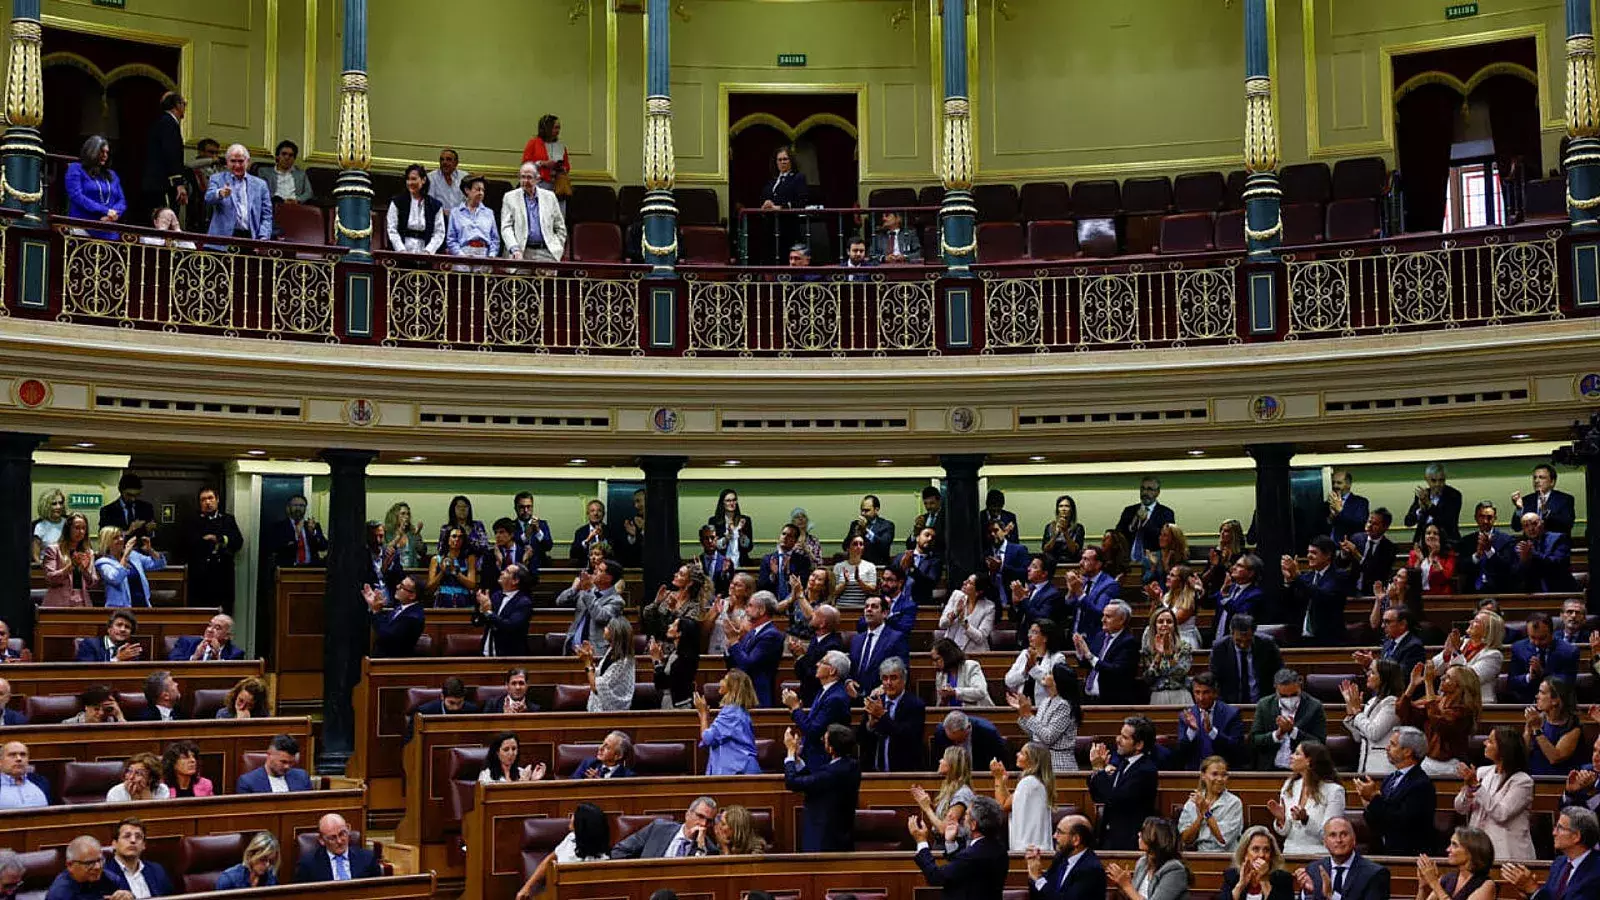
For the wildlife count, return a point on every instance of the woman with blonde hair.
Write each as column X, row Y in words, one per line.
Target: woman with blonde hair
column 730, row 740
column 1164, row 660
column 1031, row 804
column 1182, row 587
column 123, row 567
column 246, row 700
column 683, row 596
column 404, row 536
column 1213, row 816
column 141, row 780
column 259, row 868
column 1172, row 552
column 735, row 830
column 955, row 792
column 1483, row 651
column 1230, row 546
column 1448, row 717
column 1258, row 871
column 52, row 511
column 612, row 676
column 69, row 565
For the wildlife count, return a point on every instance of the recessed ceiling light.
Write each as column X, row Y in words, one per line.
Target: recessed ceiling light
column 1197, row 453
column 885, row 462
column 416, row 459
column 730, row 462
column 576, row 461
column 256, row 452
column 1514, row 437
column 1355, row 446
column 1036, row 459
column 84, row 445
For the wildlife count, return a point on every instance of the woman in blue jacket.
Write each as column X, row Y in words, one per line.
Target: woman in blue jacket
column 93, row 189
column 260, row 866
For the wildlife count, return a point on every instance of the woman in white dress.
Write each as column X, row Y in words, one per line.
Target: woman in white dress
column 611, row 678
column 1483, row 651
column 1183, row 585
column 959, row 680
column 1045, row 649
column 500, row 762
column 52, row 515
column 1213, row 816
column 968, row 617
column 1311, row 796
column 1031, row 804
column 588, row 839
column 1371, row 722
column 1054, row 724
column 1498, row 797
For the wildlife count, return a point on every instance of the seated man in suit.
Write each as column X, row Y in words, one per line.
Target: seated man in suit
column 831, row 789
column 1400, row 808
column 1556, row 508
column 1075, row 873
column 665, row 838
column 85, row 876
column 395, row 631
column 1038, row 597
column 9, row 654
column 824, row 638
column 1125, row 784
column 855, row 257
column 1283, row 720
column 922, row 564
column 780, row 564
column 1317, row 595
column 1141, row 523
column 516, row 699
column 215, row 644
column 452, row 701
column 1344, row 871
column 19, row 787
column 975, row 871
column 1574, row 622
column 116, row 645
column 9, row 716
column 1369, row 556
column 982, row 740
column 278, row 775
column 871, row 647
column 875, row 530
column 1240, row 595
column 1436, row 503
column 612, row 759
column 894, row 244
column 1483, row 555
column 1576, row 871
column 1542, row 561
column 1112, row 658
column 1537, row 656
column 240, row 204
column 831, row 707
column 759, row 651
column 1089, row 591
column 296, row 540
column 892, row 727
column 128, row 868
column 1208, row 728
column 335, row 859
column 1345, row 511
column 161, row 695
column 504, row 615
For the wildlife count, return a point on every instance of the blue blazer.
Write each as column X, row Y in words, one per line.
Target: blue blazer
column 1087, row 880
column 832, row 705
column 1047, row 603
column 114, row 578
column 93, row 649
column 759, row 655
column 257, row 203
column 593, row 762
column 1407, row 652
column 1585, row 882
column 509, row 626
column 865, row 671
column 1228, row 744
column 770, row 579
column 155, row 878
column 1548, row 568
column 828, row 822
column 1082, row 614
column 1350, row 521
column 237, row 876
column 903, row 730
column 1561, row 658
column 396, row 635
column 255, row 781
column 901, row 615
column 539, row 539
column 923, row 575
column 1401, row 815
column 13, row 717
column 1013, row 567
column 1118, row 668
column 1242, row 600
column 1561, row 512
column 183, row 648
column 319, row 866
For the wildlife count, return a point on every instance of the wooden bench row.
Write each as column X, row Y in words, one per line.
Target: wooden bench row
column 67, row 679
column 168, row 586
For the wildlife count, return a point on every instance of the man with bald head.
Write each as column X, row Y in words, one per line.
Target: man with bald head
column 531, row 224
column 240, row 204
column 20, row 788
column 85, row 876
column 1075, row 873
column 336, row 859
column 1344, row 872
column 9, row 716
column 215, row 645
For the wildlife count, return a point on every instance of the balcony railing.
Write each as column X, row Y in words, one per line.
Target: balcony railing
column 85, row 272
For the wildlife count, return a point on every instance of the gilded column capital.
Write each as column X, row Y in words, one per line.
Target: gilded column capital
column 1583, row 100
column 1260, row 128
column 24, row 81
column 660, row 163
column 956, row 168
column 355, row 124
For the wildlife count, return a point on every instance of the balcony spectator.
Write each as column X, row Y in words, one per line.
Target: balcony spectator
column 1555, row 508
column 1435, row 503
column 278, row 775
column 1539, row 654
column 247, row 699
column 52, row 512
column 447, row 184
column 405, row 535
column 1345, row 511
column 532, row 224
column 893, row 244
column 730, row 740
column 1212, row 818
column 549, row 156
column 19, row 787
column 1482, row 651
column 98, row 706
column 116, row 645
column 968, row 616
column 128, row 868
column 68, row 564
column 259, row 868
column 1498, row 797
column 165, row 181
column 415, row 220
column 1553, row 728
column 1371, row 722
column 855, row 257
column 588, row 839
column 296, row 540
column 124, row 565
column 502, row 765
column 240, row 203
column 472, row 230
column 141, row 780
column 786, row 190
column 207, row 157
column 215, row 644
column 180, row 771
column 85, row 876
column 288, row 183
column 611, row 672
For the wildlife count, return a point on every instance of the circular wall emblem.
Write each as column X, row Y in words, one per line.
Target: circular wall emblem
column 361, row 412
column 963, row 419
column 1589, row 386
column 665, row 420
column 31, row 393
column 1266, row 408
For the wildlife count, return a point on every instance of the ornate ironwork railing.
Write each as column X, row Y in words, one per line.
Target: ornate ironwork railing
column 505, row 305
column 837, row 312
column 141, row 277
column 1484, row 277
column 1158, row 302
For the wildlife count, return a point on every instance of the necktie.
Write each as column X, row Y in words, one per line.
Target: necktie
column 894, row 243
column 1244, row 677
column 1065, row 871
column 866, row 653
column 1561, row 886
column 681, row 847
column 301, row 551
column 1544, row 503
column 207, row 655
column 341, row 868
column 1338, row 880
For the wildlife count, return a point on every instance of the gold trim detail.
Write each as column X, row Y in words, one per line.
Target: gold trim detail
column 816, row 120
column 103, row 78
column 1583, row 104
column 660, row 162
column 1260, row 131
column 24, row 82
column 355, row 234
column 355, row 123
column 956, row 161
column 6, row 190
column 652, row 250
column 1267, row 235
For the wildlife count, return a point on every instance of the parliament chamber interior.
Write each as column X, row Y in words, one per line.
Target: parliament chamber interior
column 1172, row 477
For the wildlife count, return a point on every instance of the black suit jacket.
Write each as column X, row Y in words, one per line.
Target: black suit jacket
column 1318, row 600
column 509, row 624
column 1118, row 678
column 163, row 160
column 1376, row 564
column 786, row 191
column 112, row 514
column 210, row 563
column 1364, row 880
column 1280, row 885
column 910, row 245
column 1560, row 510
column 396, row 636
column 1087, row 881
column 150, row 714
column 903, row 730
column 280, row 542
column 805, row 665
column 1127, row 800
column 319, row 867
column 1150, row 533
column 975, row 872
column 828, row 823
column 1445, row 513
column 987, row 744
column 1264, row 658
column 1401, row 816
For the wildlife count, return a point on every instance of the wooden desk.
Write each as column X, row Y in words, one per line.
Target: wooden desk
column 223, row 743
column 56, row 629
column 168, row 587
column 28, row 679
column 394, row 887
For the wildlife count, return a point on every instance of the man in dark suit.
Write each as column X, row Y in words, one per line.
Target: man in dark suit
column 591, row 532
column 1343, row 871
column 533, row 533
column 128, row 865
column 296, row 540
column 982, row 740
column 893, row 724
column 503, row 552
column 1370, row 555
column 1536, row 656
column 85, row 876
column 1208, row 728
column 831, row 789
column 831, row 707
column 1435, row 503
column 1007, row 561
column 1284, row 719
column 976, row 871
column 504, row 615
column 336, row 860
column 612, row 759
column 870, row 648
column 1400, row 807
column 665, row 838
column 1125, row 785
column 1142, row 522
column 894, row 244
column 1556, row 508
column 1574, row 622
column 1245, row 663
column 395, row 631
column 128, row 511
column 1112, row 658
column 873, row 528
column 855, row 257
column 1400, row 642
column 383, row 563
column 1317, row 595
column 759, row 651
column 1089, row 591
column 778, row 566
column 279, row 774
column 161, row 696
column 1240, row 595
column 1542, row 561
column 452, row 702
column 932, row 516
column 1075, row 873
column 1038, row 597
column 1483, row 554
column 1581, row 783
column 9, row 716
column 1575, row 874
column 216, row 644
column 899, row 609
column 824, row 638
column 716, row 564
column 213, row 540
column 922, row 564
column 165, row 181
column 116, row 645
column 1345, row 511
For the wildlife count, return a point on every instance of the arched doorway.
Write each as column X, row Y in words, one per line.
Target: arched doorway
column 821, row 130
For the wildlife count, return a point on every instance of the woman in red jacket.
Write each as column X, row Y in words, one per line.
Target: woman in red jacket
column 546, row 151
column 1436, row 560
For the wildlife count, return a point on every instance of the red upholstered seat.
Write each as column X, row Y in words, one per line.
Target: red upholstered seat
column 646, row 696
column 705, row 245
column 1001, row 242
column 1361, row 178
column 1046, row 200
column 592, row 203
column 626, row 825
column 698, row 206
column 49, row 709
column 323, row 179
column 132, row 704
column 597, row 242
column 539, row 839
column 1352, row 220
column 880, row 829
column 1051, row 239
column 300, row 223
column 39, row 869
column 1229, row 234
column 1326, row 687
column 892, row 198
column 996, row 202
column 1306, row 183
column 1096, row 199
column 1302, row 223
column 203, row 857
column 661, row 759
column 87, row 782
column 630, row 197
column 1187, row 233
column 1146, row 195
column 456, row 644
column 571, row 698
column 1546, row 198
column 1233, row 189
column 770, row 754
column 1198, row 192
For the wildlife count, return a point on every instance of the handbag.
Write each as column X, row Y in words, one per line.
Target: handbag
column 562, row 185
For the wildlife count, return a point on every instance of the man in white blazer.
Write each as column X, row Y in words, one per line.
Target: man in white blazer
column 545, row 244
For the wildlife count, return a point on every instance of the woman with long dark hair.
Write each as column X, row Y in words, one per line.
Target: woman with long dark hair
column 735, row 531
column 588, row 839
column 93, row 189
column 453, row 571
column 786, row 190
column 611, row 677
column 1063, row 535
column 1498, row 797
column 1054, row 723
column 1311, row 796
column 501, row 763
column 415, row 221
column 677, row 663
column 1160, row 873
column 549, row 157
column 460, row 516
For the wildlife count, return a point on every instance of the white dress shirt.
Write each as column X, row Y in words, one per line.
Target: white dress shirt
column 134, row 877
column 277, row 783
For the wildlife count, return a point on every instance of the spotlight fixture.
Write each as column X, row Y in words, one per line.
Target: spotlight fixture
column 885, row 462
column 416, row 459
column 1355, row 446
column 731, row 462
column 256, row 452
column 1197, row 453
column 1520, row 436
column 1035, row 459
column 576, row 461
column 84, row 445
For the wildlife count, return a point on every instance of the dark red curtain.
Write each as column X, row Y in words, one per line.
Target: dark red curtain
column 1514, row 121
column 1424, row 124
column 833, row 181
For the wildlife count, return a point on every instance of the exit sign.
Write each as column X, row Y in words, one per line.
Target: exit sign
column 119, row 4
column 84, row 501
column 1460, row 11
column 791, row 60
